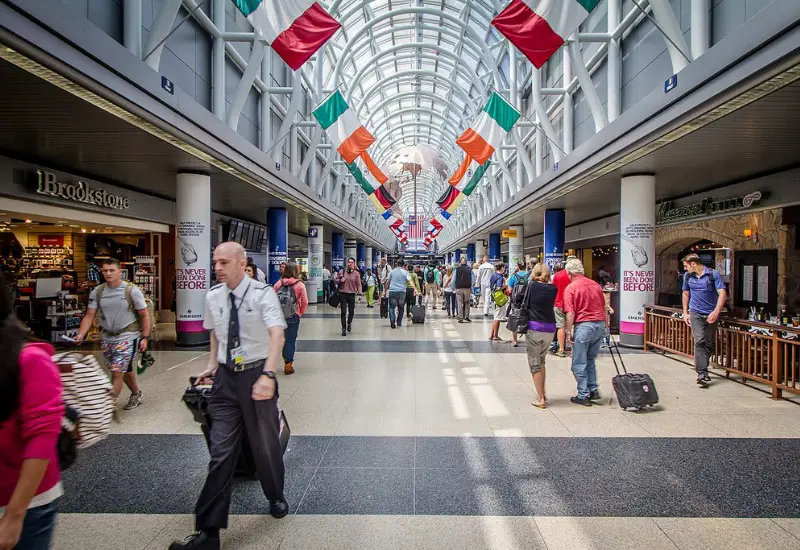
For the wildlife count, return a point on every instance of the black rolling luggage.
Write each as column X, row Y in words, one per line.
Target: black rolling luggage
column 418, row 315
column 384, row 307
column 196, row 400
column 633, row 390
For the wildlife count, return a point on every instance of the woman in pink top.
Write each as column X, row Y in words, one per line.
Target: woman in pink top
column 30, row 421
column 290, row 279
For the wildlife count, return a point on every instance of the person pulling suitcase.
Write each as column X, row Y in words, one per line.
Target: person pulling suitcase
column 246, row 327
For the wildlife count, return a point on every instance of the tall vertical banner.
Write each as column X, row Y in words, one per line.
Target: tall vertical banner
column 515, row 247
column 193, row 256
column 316, row 257
column 278, row 243
column 337, row 250
column 350, row 250
column 494, row 248
column 637, row 255
column 554, row 237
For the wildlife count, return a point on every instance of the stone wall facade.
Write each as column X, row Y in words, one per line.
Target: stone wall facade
column 729, row 233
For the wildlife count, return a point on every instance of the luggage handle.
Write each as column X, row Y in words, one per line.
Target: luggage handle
column 611, row 349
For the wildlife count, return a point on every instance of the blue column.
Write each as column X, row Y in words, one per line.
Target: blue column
column 494, row 248
column 277, row 239
column 449, row 258
column 554, row 236
column 337, row 250
column 458, row 255
column 470, row 253
column 375, row 259
column 361, row 256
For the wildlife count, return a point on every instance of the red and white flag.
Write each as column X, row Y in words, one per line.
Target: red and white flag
column 295, row 29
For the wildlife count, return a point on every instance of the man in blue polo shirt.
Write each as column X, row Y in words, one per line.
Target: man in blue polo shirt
column 704, row 297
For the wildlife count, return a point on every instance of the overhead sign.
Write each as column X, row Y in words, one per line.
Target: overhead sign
column 671, row 83
column 168, row 85
column 509, row 233
column 48, row 184
column 666, row 212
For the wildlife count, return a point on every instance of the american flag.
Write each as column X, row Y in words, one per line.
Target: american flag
column 416, row 232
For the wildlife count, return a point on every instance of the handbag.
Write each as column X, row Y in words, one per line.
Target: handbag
column 517, row 321
column 334, row 299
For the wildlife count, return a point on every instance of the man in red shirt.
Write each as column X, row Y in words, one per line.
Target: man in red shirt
column 585, row 307
column 561, row 280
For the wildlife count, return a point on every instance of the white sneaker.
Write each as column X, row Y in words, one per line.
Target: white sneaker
column 134, row 401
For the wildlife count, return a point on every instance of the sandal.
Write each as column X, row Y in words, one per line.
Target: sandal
column 538, row 406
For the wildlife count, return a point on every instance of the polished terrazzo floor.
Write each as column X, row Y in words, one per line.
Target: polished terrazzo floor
column 424, row 437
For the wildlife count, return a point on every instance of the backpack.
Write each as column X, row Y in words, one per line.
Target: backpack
column 133, row 327
column 518, row 292
column 430, row 276
column 288, row 300
column 498, row 294
column 89, row 404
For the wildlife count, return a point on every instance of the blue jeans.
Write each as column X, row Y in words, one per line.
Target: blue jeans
column 586, row 346
column 37, row 527
column 397, row 300
column 290, row 342
column 451, row 303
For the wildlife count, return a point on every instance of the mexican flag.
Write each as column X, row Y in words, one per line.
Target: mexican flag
column 344, row 129
column 295, row 29
column 538, row 28
column 468, row 175
column 489, row 129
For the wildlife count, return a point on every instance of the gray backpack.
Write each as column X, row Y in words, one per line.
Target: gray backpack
column 288, row 300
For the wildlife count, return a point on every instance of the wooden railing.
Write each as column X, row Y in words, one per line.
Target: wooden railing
column 754, row 351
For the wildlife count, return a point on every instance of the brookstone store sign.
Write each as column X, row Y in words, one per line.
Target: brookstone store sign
column 666, row 212
column 48, row 184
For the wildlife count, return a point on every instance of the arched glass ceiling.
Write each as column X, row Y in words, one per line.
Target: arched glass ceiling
column 416, row 72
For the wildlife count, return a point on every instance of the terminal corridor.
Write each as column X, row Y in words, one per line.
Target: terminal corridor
column 425, row 437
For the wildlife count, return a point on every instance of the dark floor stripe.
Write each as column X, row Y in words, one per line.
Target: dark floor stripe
column 659, row 477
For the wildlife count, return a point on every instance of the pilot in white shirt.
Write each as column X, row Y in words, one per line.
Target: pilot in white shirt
column 246, row 346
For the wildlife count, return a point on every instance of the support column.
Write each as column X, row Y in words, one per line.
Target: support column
column 637, row 219
column 372, row 258
column 361, row 256
column 350, row 250
column 614, row 61
column 515, row 248
column 480, row 249
column 316, row 259
column 218, row 104
column 700, row 33
column 568, row 116
column 554, row 237
column 337, row 250
column 471, row 253
column 458, row 256
column 494, row 248
column 132, row 26
column 278, row 242
column 193, row 264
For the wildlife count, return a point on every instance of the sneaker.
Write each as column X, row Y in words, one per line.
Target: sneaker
column 707, row 379
column 197, row 541
column 585, row 401
column 703, row 380
column 462, row 321
column 594, row 396
column 134, row 401
column 467, row 320
column 561, row 354
column 344, row 332
column 394, row 325
column 349, row 328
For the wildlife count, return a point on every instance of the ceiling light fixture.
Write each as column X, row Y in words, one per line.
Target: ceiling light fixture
column 27, row 220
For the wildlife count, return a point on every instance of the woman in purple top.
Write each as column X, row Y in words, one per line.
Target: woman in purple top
column 540, row 298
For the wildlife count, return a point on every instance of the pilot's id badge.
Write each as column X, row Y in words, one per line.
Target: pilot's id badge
column 237, row 354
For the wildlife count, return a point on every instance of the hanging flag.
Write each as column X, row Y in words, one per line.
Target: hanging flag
column 367, row 182
column 455, row 203
column 450, row 195
column 373, row 168
column 381, row 199
column 538, row 28
column 489, row 129
column 295, row 30
column 344, row 129
column 468, row 175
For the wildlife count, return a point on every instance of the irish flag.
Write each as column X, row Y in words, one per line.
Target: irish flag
column 538, row 28
column 488, row 129
column 295, row 29
column 468, row 175
column 343, row 127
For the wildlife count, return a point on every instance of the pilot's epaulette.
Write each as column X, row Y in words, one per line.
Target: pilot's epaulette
column 216, row 286
column 261, row 286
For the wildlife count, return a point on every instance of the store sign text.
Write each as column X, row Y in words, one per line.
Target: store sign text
column 48, row 184
column 665, row 213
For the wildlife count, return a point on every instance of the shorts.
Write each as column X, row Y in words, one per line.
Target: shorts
column 561, row 318
column 501, row 313
column 536, row 346
column 119, row 355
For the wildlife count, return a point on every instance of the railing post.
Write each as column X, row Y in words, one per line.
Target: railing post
column 777, row 362
column 647, row 319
